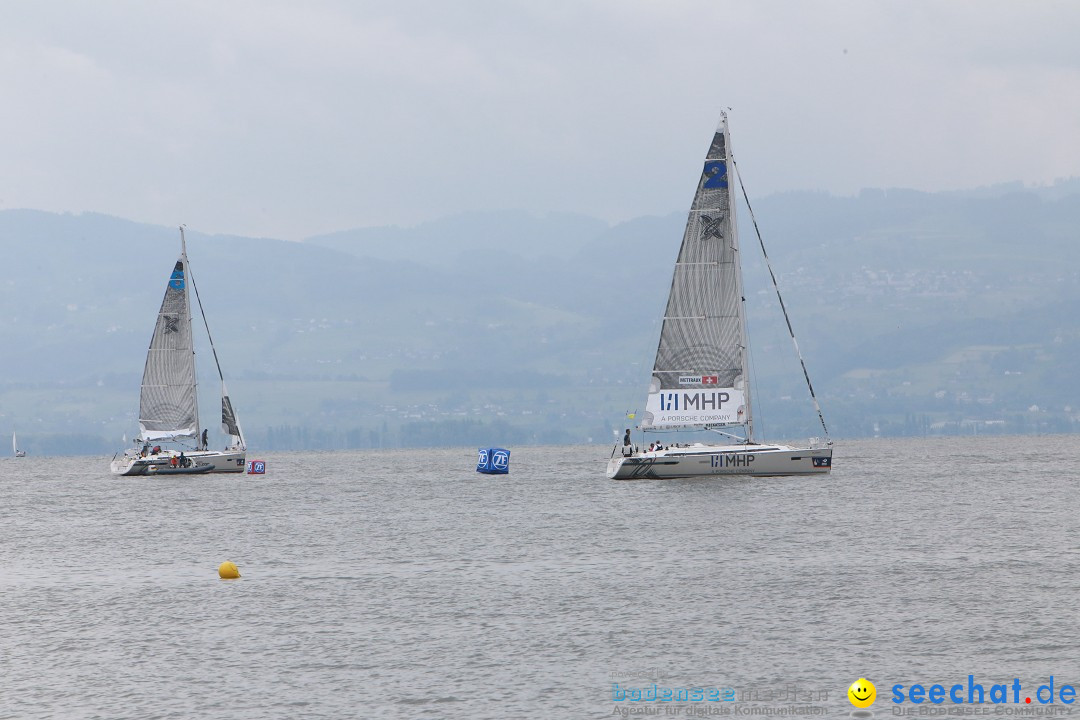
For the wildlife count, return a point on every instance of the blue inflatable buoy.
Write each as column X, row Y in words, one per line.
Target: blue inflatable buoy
column 493, row 461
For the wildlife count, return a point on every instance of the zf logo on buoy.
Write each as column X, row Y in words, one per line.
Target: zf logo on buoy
column 493, row 461
column 256, row 467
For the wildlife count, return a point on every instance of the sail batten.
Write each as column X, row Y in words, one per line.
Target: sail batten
column 699, row 374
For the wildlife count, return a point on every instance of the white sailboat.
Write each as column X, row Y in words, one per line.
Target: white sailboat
column 15, row 446
column 169, row 436
column 700, row 376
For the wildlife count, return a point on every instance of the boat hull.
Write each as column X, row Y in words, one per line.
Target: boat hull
column 701, row 460
column 228, row 461
column 169, row 470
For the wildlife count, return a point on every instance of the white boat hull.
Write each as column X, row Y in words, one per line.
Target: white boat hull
column 699, row 460
column 228, row 461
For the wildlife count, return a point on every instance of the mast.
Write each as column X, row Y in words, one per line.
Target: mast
column 187, row 301
column 744, row 351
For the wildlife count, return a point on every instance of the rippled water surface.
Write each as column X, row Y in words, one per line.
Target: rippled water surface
column 403, row 584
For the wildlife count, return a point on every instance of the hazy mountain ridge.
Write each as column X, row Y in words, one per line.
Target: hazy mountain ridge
column 912, row 310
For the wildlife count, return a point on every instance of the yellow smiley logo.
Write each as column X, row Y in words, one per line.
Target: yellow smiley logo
column 862, row 693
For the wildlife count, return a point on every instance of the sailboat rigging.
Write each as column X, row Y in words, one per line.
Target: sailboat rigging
column 700, row 375
column 168, row 399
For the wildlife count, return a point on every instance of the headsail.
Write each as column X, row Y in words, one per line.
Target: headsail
column 168, row 407
column 229, row 423
column 699, row 376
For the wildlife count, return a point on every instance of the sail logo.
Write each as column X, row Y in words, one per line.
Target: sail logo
column 697, row 408
column 693, row 401
column 176, row 280
column 715, row 173
column 699, row 379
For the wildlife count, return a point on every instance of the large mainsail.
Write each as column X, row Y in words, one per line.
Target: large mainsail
column 699, row 376
column 168, row 407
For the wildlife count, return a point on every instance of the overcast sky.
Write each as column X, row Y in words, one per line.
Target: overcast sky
column 288, row 119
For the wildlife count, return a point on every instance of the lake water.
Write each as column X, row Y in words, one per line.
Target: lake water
column 404, row 585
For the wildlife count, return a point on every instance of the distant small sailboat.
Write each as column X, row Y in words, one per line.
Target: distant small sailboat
column 15, row 446
column 168, row 401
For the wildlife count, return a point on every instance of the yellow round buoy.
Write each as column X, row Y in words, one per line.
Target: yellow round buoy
column 228, row 571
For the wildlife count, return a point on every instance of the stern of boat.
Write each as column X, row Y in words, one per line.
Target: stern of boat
column 229, row 461
column 127, row 465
